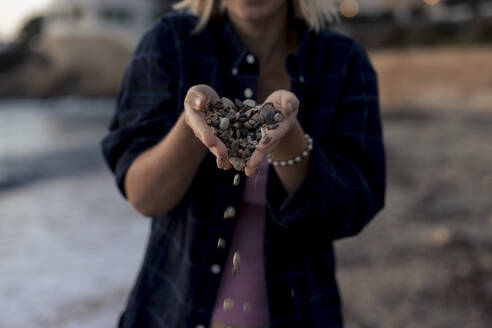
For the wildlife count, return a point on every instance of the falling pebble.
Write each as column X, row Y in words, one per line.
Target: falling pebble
column 237, row 179
column 236, row 261
column 229, row 213
column 228, row 304
column 441, row 235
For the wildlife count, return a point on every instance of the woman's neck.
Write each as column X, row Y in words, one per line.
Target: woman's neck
column 268, row 39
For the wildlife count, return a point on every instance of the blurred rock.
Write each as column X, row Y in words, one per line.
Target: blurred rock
column 441, row 235
column 441, row 78
column 83, row 66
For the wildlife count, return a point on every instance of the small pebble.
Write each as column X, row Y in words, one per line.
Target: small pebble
column 239, row 104
column 237, row 179
column 227, row 103
column 234, row 146
column 237, row 163
column 229, row 213
column 268, row 107
column 250, row 103
column 269, row 117
column 218, row 104
column 224, row 123
column 231, row 116
column 264, row 132
column 243, row 118
column 278, row 117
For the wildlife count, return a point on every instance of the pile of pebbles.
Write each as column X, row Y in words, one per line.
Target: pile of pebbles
column 242, row 125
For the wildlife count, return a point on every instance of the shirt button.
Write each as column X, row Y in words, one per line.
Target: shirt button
column 248, row 93
column 234, row 71
column 301, row 79
column 292, row 293
column 221, row 243
column 250, row 59
column 229, row 213
column 215, row 269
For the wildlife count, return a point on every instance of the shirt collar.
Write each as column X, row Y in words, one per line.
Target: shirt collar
column 237, row 51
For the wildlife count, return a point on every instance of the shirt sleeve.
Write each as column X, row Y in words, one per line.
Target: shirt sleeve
column 345, row 184
column 147, row 104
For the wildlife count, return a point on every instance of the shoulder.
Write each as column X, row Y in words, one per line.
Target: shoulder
column 169, row 30
column 179, row 21
column 335, row 41
column 342, row 49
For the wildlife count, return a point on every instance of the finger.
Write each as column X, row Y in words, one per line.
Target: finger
column 220, row 152
column 205, row 134
column 288, row 102
column 259, row 155
column 199, row 96
column 196, row 100
column 284, row 100
column 196, row 122
column 250, row 171
column 206, row 90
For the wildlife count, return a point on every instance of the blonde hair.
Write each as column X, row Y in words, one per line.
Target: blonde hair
column 316, row 13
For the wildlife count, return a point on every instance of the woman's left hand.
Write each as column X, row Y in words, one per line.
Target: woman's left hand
column 288, row 104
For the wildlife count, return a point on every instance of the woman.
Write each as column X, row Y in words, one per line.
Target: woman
column 258, row 254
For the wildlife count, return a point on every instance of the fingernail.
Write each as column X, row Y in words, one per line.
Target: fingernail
column 267, row 139
column 290, row 106
column 198, row 101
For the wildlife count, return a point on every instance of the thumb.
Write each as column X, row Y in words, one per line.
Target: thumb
column 289, row 102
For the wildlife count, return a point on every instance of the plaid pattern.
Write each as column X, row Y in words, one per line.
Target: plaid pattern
column 343, row 190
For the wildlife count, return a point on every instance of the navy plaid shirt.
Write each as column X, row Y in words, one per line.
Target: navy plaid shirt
column 343, row 190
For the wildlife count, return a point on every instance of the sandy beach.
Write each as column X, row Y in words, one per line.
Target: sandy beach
column 71, row 246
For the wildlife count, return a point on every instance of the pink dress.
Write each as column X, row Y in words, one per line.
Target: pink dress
column 242, row 298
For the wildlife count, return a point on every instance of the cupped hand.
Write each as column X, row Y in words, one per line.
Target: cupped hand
column 196, row 100
column 288, row 104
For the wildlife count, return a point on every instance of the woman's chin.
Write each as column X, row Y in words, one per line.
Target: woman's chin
column 254, row 15
column 256, row 10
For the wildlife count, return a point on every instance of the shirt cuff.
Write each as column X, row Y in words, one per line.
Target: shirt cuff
column 310, row 196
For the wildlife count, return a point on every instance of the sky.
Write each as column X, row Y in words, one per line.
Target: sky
column 13, row 12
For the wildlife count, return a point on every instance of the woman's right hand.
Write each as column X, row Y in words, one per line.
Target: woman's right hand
column 196, row 100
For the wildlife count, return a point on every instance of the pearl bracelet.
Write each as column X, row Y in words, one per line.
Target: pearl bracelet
column 296, row 159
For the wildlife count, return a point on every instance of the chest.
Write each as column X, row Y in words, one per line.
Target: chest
column 270, row 79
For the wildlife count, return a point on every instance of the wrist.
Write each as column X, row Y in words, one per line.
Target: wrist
column 291, row 145
column 183, row 132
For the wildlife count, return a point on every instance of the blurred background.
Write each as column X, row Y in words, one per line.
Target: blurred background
column 70, row 246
